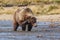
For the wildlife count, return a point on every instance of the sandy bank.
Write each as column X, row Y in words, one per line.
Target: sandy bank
column 39, row 18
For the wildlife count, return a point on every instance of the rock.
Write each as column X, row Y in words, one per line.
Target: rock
column 38, row 36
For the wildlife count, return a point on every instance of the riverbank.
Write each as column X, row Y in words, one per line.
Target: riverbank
column 39, row 18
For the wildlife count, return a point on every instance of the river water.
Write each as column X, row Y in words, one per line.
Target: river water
column 42, row 32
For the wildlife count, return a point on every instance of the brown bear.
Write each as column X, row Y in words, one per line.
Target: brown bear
column 24, row 17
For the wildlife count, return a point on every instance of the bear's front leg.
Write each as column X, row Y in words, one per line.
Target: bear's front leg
column 29, row 27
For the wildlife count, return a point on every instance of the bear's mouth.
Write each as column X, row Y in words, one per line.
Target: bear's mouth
column 34, row 25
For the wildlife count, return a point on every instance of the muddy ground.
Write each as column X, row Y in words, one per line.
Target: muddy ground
column 41, row 32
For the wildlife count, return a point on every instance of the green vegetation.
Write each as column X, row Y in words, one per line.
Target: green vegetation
column 1, row 8
column 37, row 10
column 26, row 2
column 39, row 6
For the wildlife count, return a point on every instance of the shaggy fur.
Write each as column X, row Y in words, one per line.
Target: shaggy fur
column 23, row 17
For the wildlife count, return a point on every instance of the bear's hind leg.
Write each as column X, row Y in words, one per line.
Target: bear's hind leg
column 15, row 26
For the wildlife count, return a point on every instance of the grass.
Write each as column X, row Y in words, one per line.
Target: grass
column 37, row 9
column 26, row 2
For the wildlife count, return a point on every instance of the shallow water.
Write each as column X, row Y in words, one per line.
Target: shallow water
column 41, row 32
